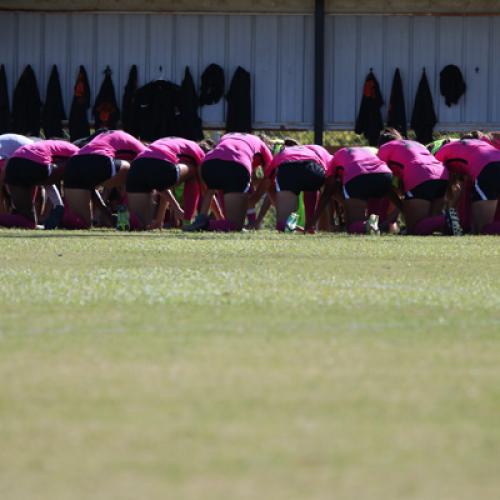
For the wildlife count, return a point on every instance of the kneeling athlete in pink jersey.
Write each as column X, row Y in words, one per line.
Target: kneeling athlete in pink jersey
column 362, row 176
column 297, row 169
column 228, row 168
column 424, row 182
column 480, row 161
column 41, row 163
column 104, row 161
column 164, row 164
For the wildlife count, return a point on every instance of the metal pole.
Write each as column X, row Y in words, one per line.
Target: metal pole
column 319, row 70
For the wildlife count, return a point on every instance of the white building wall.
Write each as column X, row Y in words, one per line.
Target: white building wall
column 278, row 50
column 357, row 43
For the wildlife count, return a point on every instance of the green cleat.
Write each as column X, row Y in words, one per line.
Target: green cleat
column 123, row 219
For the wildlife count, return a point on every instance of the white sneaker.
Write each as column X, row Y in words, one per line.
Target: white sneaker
column 371, row 225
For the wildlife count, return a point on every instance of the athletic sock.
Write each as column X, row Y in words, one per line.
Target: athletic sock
column 53, row 195
column 16, row 220
column 251, row 216
column 191, row 197
column 310, row 203
column 430, row 225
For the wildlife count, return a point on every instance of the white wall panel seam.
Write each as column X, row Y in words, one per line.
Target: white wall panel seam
column 410, row 91
column 15, row 66
column 330, row 61
column 357, row 70
column 201, row 30
column 67, row 71
column 253, row 30
column 465, row 35
column 226, row 66
column 489, row 101
column 94, row 60
column 41, row 58
column 278, row 72
column 383, row 76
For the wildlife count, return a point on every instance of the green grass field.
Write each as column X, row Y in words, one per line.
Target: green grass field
column 253, row 366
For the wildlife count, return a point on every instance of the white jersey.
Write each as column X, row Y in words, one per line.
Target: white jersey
column 9, row 143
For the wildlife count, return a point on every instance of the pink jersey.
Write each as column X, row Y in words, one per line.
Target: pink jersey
column 46, row 152
column 295, row 154
column 114, row 144
column 242, row 149
column 172, row 149
column 468, row 156
column 351, row 162
column 412, row 163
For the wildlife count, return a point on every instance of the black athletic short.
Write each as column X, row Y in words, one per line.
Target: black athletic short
column 147, row 174
column 298, row 176
column 366, row 186
column 226, row 176
column 487, row 185
column 428, row 190
column 26, row 173
column 89, row 171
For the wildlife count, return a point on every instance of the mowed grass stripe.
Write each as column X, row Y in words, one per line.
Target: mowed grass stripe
column 245, row 366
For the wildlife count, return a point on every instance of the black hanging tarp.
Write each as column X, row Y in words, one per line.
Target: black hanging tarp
column 5, row 124
column 423, row 118
column 53, row 110
column 190, row 121
column 26, row 105
column 451, row 84
column 78, row 117
column 369, row 121
column 106, row 112
column 212, row 85
column 128, row 96
column 156, row 110
column 239, row 104
column 396, row 114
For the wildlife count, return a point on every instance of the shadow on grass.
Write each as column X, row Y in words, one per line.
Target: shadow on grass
column 180, row 235
column 113, row 235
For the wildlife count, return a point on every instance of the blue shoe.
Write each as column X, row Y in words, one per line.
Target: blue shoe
column 291, row 222
column 199, row 224
column 55, row 218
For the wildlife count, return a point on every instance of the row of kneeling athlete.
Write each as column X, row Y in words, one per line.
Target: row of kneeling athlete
column 403, row 187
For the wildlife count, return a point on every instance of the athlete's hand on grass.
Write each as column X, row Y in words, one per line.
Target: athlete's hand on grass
column 178, row 212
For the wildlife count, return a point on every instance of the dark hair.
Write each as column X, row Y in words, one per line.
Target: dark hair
column 388, row 135
column 206, row 145
column 83, row 141
column 288, row 142
column 476, row 134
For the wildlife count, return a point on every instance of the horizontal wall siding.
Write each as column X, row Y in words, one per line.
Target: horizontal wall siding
column 277, row 50
column 411, row 43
